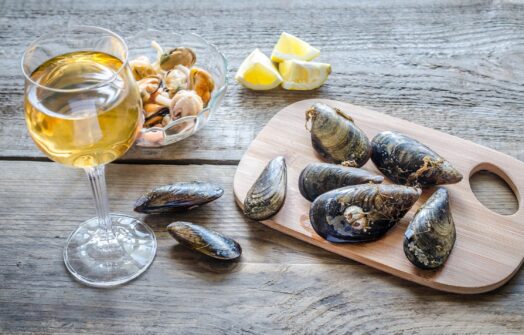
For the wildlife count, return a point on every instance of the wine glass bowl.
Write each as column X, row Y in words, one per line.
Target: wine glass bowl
column 83, row 109
column 207, row 57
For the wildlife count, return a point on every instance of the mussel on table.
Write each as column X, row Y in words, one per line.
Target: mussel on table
column 319, row 178
column 335, row 136
column 206, row 241
column 430, row 236
column 267, row 195
column 408, row 162
column 178, row 196
column 360, row 213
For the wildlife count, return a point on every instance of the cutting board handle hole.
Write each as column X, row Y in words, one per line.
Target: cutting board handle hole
column 494, row 189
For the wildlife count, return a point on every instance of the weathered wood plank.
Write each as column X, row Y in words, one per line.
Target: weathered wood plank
column 280, row 285
column 455, row 66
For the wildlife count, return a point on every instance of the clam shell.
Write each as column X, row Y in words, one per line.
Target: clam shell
column 319, row 178
column 267, row 195
column 178, row 196
column 430, row 236
column 203, row 240
column 409, row 162
column 360, row 213
column 335, row 136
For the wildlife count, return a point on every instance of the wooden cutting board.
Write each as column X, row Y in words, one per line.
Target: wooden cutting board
column 489, row 248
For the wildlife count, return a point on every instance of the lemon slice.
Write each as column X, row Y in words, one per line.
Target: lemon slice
column 257, row 72
column 302, row 76
column 292, row 47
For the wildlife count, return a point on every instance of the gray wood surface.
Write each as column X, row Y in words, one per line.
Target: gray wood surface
column 280, row 285
column 456, row 66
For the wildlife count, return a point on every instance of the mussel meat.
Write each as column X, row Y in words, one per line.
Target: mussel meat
column 430, row 236
column 178, row 196
column 177, row 56
column 360, row 213
column 206, row 241
column 267, row 195
column 408, row 162
column 319, row 178
column 202, row 83
column 335, row 136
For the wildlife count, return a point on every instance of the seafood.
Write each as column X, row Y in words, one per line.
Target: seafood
column 335, row 136
column 318, row 178
column 154, row 113
column 267, row 195
column 430, row 236
column 176, row 80
column 172, row 82
column 202, row 83
column 360, row 213
column 177, row 56
column 206, row 241
column 185, row 103
column 141, row 68
column 178, row 196
column 409, row 162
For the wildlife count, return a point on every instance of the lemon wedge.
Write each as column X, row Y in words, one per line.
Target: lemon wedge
column 292, row 47
column 257, row 72
column 303, row 76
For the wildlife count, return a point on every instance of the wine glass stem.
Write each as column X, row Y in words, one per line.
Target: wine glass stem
column 97, row 179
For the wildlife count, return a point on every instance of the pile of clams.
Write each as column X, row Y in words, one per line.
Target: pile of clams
column 185, row 196
column 352, row 205
column 171, row 87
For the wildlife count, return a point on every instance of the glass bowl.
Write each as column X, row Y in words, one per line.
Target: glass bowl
column 207, row 57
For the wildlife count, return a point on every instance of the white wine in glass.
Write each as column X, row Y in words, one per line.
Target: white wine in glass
column 83, row 109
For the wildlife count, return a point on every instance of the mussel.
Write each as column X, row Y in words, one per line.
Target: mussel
column 267, row 195
column 408, row 162
column 318, row 178
column 335, row 136
column 206, row 241
column 430, row 236
column 178, row 196
column 360, row 213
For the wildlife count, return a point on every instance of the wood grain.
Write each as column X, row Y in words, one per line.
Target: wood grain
column 455, row 66
column 280, row 285
column 450, row 65
column 489, row 247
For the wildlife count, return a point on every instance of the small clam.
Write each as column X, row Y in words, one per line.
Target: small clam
column 178, row 196
column 202, row 83
column 319, row 178
column 185, row 103
column 141, row 68
column 335, row 136
column 267, row 195
column 177, row 56
column 206, row 241
column 409, row 162
column 360, row 213
column 176, row 80
column 430, row 236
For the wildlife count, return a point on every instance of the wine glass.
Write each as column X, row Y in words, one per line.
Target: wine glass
column 83, row 109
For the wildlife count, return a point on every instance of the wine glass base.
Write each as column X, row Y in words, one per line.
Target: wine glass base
column 100, row 260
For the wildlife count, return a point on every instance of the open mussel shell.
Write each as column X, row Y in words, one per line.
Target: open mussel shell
column 319, row 178
column 206, row 241
column 178, row 196
column 335, row 136
column 267, row 195
column 430, row 236
column 409, row 162
column 360, row 213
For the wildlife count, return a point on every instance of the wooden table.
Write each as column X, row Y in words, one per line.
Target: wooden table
column 455, row 66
